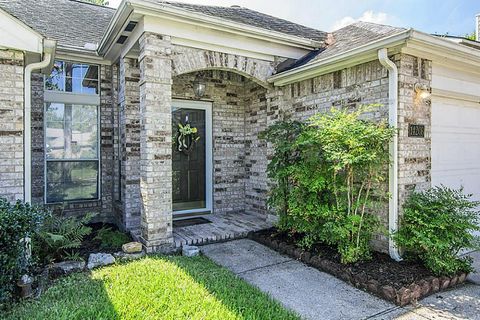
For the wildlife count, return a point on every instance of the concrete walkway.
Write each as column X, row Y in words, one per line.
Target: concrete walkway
column 317, row 295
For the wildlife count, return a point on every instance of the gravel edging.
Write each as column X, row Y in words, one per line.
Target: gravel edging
column 403, row 296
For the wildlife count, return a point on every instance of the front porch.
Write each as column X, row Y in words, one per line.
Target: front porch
column 223, row 226
column 222, row 175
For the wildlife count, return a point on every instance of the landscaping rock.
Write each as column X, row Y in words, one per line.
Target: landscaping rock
column 389, row 293
column 132, row 247
column 99, row 259
column 67, row 267
column 444, row 283
column 128, row 256
column 425, row 287
column 190, row 251
column 435, row 284
column 404, row 296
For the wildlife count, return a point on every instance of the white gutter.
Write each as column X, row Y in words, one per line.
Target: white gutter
column 393, row 171
column 48, row 53
column 357, row 55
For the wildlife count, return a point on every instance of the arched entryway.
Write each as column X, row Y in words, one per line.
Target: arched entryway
column 238, row 183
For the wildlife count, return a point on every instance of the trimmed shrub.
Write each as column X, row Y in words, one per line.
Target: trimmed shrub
column 436, row 225
column 326, row 174
column 17, row 221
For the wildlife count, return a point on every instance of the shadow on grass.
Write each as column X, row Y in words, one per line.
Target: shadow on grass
column 74, row 297
column 156, row 287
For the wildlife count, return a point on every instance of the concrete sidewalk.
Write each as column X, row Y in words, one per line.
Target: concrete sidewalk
column 316, row 295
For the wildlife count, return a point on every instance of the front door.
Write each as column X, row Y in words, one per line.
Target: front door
column 191, row 157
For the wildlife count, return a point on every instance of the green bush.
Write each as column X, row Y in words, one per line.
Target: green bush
column 436, row 225
column 59, row 236
column 326, row 175
column 111, row 239
column 17, row 221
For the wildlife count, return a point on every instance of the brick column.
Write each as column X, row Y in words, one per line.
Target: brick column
column 414, row 153
column 156, row 142
column 129, row 118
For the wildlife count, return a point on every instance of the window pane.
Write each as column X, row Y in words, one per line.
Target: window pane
column 68, row 181
column 71, row 131
column 57, row 77
column 73, row 77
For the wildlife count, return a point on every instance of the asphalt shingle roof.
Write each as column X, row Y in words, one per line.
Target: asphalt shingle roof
column 71, row 23
column 356, row 35
column 253, row 18
column 342, row 40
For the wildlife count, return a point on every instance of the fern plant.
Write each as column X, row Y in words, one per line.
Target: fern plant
column 60, row 236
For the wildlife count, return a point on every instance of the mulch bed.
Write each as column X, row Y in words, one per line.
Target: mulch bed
column 92, row 245
column 399, row 282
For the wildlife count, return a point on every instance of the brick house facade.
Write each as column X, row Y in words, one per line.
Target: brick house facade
column 254, row 74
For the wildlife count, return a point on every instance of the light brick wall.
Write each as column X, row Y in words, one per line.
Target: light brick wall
column 129, row 119
column 351, row 87
column 156, row 142
column 414, row 154
column 231, row 98
column 256, row 152
column 11, row 124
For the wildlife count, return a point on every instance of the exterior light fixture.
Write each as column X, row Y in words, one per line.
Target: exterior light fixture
column 422, row 91
column 199, row 86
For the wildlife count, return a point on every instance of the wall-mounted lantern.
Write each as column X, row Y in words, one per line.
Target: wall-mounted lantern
column 422, row 92
column 199, row 86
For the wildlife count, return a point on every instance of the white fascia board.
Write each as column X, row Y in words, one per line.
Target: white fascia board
column 270, row 41
column 361, row 54
column 212, row 39
column 80, row 55
column 199, row 19
column 115, row 27
column 442, row 50
column 14, row 34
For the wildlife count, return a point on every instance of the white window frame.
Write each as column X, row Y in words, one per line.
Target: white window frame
column 52, row 96
column 207, row 106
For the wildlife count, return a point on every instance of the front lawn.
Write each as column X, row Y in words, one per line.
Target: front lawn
column 156, row 287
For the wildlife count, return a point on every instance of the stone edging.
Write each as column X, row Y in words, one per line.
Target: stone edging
column 401, row 297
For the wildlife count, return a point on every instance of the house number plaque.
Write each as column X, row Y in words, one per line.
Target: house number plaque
column 416, row 130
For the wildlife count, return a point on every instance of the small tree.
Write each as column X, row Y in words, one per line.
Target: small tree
column 356, row 155
column 325, row 174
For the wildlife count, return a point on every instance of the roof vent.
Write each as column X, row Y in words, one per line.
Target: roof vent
column 122, row 39
column 130, row 26
column 235, row 6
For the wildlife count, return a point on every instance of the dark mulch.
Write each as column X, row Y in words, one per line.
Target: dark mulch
column 400, row 282
column 381, row 267
column 92, row 245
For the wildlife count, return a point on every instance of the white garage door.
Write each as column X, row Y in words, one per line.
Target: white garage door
column 456, row 129
column 456, row 144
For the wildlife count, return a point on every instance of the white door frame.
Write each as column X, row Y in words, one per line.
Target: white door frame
column 207, row 106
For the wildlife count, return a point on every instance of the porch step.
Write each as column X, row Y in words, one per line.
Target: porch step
column 223, row 227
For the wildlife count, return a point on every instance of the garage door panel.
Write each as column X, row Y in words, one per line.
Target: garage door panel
column 456, row 144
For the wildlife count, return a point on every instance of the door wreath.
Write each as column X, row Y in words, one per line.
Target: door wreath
column 187, row 137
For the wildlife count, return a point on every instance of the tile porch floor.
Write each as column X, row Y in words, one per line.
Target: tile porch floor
column 224, row 226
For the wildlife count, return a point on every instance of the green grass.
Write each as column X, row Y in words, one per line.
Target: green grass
column 156, row 287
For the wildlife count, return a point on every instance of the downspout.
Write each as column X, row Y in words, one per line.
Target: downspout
column 393, row 170
column 48, row 53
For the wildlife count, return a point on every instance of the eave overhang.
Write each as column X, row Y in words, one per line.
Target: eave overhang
column 409, row 41
column 133, row 9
